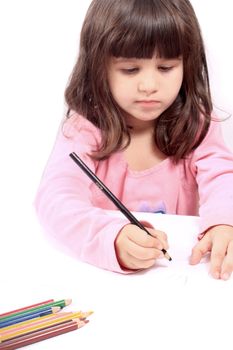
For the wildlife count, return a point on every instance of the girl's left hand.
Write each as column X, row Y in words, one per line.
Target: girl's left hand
column 219, row 241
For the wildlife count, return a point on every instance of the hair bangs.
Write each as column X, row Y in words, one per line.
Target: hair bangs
column 145, row 31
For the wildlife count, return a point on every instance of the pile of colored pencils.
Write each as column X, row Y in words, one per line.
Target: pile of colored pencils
column 37, row 322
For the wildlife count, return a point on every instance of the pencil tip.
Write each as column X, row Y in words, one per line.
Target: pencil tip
column 167, row 256
column 89, row 312
column 81, row 324
column 56, row 308
column 68, row 302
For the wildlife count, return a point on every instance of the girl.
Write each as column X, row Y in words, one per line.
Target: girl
column 140, row 116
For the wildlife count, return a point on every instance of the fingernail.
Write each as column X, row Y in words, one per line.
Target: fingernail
column 216, row 275
column 225, row 276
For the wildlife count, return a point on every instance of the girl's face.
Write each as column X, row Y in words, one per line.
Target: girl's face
column 144, row 88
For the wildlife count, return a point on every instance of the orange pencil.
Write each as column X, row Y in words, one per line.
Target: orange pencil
column 42, row 335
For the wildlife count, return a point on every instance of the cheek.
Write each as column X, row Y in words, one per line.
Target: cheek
column 113, row 85
column 120, row 97
column 119, row 90
column 176, row 84
column 180, row 77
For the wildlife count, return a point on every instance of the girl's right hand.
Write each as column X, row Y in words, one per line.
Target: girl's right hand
column 135, row 249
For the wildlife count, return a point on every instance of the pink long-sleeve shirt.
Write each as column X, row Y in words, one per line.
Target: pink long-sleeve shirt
column 70, row 206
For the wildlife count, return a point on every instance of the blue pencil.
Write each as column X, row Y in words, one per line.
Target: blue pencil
column 29, row 316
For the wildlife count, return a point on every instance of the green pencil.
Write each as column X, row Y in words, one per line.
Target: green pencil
column 61, row 303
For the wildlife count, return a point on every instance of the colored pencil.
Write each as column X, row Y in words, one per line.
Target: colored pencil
column 112, row 197
column 61, row 303
column 26, row 308
column 34, row 322
column 42, row 335
column 33, row 328
column 29, row 316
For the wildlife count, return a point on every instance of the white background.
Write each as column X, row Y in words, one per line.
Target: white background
column 39, row 45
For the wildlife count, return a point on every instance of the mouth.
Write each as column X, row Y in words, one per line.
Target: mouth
column 148, row 103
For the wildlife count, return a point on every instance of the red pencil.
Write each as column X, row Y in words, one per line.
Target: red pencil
column 26, row 307
column 40, row 335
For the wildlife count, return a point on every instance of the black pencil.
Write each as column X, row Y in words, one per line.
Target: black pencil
column 111, row 196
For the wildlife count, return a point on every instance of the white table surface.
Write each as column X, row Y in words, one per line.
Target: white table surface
column 171, row 306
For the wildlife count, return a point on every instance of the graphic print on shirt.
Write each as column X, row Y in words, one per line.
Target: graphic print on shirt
column 158, row 207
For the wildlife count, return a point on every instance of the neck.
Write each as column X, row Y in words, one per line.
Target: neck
column 149, row 154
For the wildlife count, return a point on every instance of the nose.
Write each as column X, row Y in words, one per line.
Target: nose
column 148, row 83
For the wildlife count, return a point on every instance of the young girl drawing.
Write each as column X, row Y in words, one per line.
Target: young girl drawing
column 140, row 116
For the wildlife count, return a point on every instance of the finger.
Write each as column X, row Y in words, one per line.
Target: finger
column 145, row 263
column 142, row 238
column 129, row 261
column 137, row 264
column 200, row 249
column 143, row 253
column 161, row 236
column 227, row 263
column 218, row 253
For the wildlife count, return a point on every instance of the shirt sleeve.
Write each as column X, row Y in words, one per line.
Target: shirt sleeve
column 212, row 165
column 64, row 207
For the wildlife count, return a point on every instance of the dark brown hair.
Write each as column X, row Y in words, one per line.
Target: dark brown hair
column 138, row 29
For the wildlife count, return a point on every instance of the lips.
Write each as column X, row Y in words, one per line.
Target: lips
column 148, row 103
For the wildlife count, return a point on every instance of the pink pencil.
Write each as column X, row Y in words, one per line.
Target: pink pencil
column 26, row 307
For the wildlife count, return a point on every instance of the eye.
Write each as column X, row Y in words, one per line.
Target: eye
column 130, row 70
column 165, row 68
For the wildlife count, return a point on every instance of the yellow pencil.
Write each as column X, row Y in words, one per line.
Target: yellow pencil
column 45, row 324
